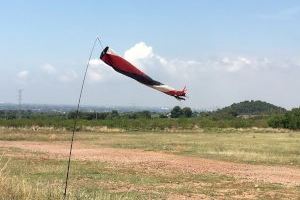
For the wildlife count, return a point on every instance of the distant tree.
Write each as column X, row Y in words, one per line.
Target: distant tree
column 114, row 114
column 131, row 115
column 187, row 112
column 72, row 114
column 277, row 121
column 162, row 115
column 145, row 114
column 102, row 115
column 233, row 113
column 176, row 112
column 90, row 116
column 290, row 120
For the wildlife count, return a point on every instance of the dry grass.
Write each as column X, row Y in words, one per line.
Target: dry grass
column 35, row 175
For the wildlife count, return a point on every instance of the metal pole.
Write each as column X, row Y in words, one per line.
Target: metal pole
column 76, row 118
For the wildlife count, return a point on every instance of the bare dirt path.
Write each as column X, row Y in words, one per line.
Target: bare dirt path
column 157, row 161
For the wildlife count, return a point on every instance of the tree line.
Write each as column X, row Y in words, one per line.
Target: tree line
column 243, row 114
column 290, row 120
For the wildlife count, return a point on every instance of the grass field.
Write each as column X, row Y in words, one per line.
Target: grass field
column 151, row 165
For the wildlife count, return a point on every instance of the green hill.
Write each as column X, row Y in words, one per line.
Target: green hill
column 250, row 108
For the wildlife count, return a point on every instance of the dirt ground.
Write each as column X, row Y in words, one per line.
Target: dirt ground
column 158, row 161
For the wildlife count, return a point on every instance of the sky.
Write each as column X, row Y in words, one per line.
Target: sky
column 222, row 51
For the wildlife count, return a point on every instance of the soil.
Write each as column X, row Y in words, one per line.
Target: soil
column 158, row 161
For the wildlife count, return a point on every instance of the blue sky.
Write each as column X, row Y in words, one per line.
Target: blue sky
column 224, row 51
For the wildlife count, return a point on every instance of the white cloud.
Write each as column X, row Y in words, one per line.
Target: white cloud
column 68, row 76
column 94, row 73
column 235, row 64
column 218, row 80
column 164, row 69
column 23, row 75
column 152, row 63
column 139, row 51
column 49, row 69
column 95, row 62
column 98, row 71
column 211, row 81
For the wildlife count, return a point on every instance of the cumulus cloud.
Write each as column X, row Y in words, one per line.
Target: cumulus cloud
column 94, row 73
column 144, row 56
column 211, row 81
column 49, row 69
column 23, row 75
column 235, row 64
column 161, row 68
column 95, row 62
column 139, row 51
column 68, row 76
column 98, row 71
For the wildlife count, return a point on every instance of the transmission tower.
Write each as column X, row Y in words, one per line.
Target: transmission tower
column 20, row 91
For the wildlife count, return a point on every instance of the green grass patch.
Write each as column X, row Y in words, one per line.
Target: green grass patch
column 33, row 178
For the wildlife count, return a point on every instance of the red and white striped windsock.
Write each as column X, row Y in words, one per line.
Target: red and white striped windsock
column 122, row 66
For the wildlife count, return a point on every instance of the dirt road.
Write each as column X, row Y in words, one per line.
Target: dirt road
column 158, row 161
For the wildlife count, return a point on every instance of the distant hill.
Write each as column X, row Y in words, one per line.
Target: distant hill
column 250, row 108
